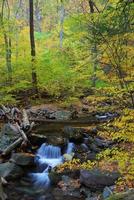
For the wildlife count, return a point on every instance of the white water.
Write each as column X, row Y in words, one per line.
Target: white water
column 48, row 157
column 70, row 148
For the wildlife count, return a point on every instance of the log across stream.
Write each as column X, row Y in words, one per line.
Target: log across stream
column 50, row 142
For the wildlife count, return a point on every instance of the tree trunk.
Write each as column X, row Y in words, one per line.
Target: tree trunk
column 93, row 48
column 32, row 42
column 8, row 57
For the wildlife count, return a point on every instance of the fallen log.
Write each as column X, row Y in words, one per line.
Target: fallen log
column 22, row 133
column 25, row 120
column 3, row 196
column 12, row 146
column 31, row 127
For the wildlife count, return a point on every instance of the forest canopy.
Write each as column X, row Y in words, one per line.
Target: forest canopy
column 78, row 45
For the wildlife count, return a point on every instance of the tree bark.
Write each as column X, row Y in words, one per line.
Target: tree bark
column 12, row 146
column 93, row 47
column 32, row 42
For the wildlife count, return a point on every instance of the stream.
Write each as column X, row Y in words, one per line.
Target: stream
column 51, row 142
column 36, row 184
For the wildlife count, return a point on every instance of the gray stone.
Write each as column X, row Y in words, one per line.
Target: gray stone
column 84, row 147
column 90, row 139
column 96, row 179
column 23, row 159
column 107, row 192
column 10, row 170
column 73, row 133
column 55, row 177
column 57, row 140
column 85, row 191
column 93, row 147
column 91, row 156
column 7, row 136
column 100, row 143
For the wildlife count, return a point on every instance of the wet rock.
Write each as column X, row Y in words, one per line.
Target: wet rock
column 73, row 134
column 55, row 177
column 23, row 159
column 70, row 187
column 37, row 139
column 91, row 156
column 86, row 192
column 128, row 195
column 81, row 156
column 63, row 115
column 101, row 143
column 108, row 191
column 96, row 179
column 10, row 170
column 90, row 140
column 57, row 140
column 85, row 140
column 51, row 114
column 84, row 147
column 47, row 197
column 7, row 136
column 59, row 194
column 93, row 147
column 91, row 198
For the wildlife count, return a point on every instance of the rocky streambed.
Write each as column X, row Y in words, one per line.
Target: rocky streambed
column 71, row 184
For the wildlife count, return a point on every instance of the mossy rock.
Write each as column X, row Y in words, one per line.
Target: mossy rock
column 129, row 195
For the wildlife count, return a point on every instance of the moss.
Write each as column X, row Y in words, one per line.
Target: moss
column 129, row 195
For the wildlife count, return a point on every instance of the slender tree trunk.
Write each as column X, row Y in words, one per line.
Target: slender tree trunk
column 93, row 48
column 91, row 6
column 7, row 40
column 32, row 42
column 8, row 57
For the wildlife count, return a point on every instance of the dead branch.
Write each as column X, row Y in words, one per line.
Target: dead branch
column 12, row 146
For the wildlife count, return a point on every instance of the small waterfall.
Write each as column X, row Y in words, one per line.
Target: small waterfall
column 48, row 157
column 70, row 148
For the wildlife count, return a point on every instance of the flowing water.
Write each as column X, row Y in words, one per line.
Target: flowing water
column 48, row 157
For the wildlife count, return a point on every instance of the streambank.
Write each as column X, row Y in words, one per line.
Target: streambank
column 29, row 173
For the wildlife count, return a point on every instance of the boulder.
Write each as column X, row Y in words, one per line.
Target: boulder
column 93, row 147
column 23, row 159
column 7, row 136
column 101, row 143
column 85, row 191
column 96, row 179
column 37, row 139
column 63, row 115
column 55, row 177
column 59, row 194
column 10, row 171
column 57, row 140
column 70, row 187
column 73, row 134
column 84, row 148
column 108, row 191
column 90, row 139
column 91, row 156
